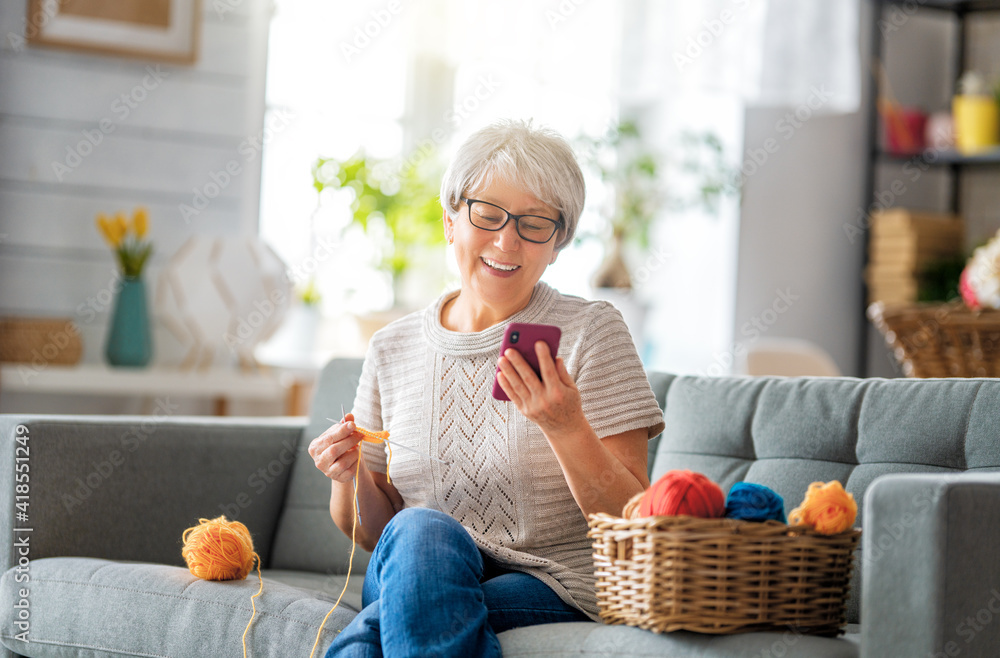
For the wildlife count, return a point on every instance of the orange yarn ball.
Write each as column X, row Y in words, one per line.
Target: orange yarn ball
column 827, row 508
column 218, row 549
column 683, row 493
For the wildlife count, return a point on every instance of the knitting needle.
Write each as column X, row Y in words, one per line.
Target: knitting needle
column 354, row 480
column 400, row 445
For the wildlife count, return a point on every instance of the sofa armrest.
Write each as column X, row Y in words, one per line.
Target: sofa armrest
column 126, row 487
column 931, row 583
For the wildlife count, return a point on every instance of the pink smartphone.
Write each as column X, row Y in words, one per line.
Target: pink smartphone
column 522, row 336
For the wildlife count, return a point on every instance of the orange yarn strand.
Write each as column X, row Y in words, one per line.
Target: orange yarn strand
column 371, row 436
column 218, row 549
column 350, row 561
column 253, row 604
column 387, row 462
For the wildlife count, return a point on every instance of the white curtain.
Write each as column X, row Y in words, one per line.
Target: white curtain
column 766, row 52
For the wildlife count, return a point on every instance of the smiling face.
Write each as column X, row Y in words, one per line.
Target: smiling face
column 499, row 269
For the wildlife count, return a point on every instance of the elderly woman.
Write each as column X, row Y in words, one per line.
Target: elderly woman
column 494, row 536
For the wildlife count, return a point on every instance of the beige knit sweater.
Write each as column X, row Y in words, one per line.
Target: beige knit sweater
column 431, row 388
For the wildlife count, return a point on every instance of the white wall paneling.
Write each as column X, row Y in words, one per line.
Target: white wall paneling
column 168, row 130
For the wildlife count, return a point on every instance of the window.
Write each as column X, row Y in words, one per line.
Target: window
column 385, row 76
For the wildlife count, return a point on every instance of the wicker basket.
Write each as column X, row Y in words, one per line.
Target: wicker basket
column 52, row 341
column 941, row 340
column 665, row 573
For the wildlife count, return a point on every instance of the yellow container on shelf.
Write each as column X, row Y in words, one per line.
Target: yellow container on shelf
column 976, row 122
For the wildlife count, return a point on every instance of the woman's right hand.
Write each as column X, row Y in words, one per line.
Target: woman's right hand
column 335, row 451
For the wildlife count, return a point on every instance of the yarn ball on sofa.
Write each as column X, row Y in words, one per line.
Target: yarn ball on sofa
column 683, row 493
column 218, row 549
column 827, row 508
column 754, row 502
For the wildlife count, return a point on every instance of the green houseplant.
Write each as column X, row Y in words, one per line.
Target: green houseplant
column 395, row 205
column 621, row 162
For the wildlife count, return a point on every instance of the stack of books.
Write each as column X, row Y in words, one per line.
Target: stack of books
column 903, row 242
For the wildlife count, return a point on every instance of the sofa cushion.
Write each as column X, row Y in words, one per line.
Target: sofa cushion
column 320, row 585
column 660, row 383
column 982, row 450
column 924, row 425
column 307, row 539
column 707, row 423
column 185, row 468
column 98, row 607
column 591, row 639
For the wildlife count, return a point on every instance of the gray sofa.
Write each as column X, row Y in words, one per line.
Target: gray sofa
column 100, row 573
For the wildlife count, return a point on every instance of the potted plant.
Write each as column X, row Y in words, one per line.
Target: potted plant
column 635, row 174
column 631, row 171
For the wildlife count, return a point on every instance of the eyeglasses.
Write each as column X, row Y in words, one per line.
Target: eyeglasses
column 493, row 218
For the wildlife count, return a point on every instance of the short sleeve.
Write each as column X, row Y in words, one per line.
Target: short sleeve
column 612, row 380
column 368, row 412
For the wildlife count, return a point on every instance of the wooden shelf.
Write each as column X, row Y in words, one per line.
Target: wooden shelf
column 960, row 13
column 945, row 158
column 954, row 6
column 217, row 384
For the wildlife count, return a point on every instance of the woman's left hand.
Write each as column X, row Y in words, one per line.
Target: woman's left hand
column 552, row 402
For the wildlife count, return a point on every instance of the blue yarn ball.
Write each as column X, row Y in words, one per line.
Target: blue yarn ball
column 754, row 502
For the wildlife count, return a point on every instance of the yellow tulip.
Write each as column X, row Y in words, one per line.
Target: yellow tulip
column 140, row 222
column 120, row 227
column 107, row 230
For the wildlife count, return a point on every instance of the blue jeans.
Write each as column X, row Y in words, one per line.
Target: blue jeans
column 429, row 591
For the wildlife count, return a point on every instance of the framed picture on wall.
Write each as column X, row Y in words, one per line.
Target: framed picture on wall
column 151, row 29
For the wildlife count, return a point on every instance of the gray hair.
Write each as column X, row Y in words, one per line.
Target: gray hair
column 539, row 160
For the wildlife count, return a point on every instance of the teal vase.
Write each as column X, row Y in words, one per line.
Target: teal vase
column 129, row 342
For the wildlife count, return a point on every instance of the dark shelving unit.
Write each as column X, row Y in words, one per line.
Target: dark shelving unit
column 953, row 161
column 954, row 6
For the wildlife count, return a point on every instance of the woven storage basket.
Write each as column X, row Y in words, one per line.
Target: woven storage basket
column 53, row 341
column 941, row 340
column 671, row 573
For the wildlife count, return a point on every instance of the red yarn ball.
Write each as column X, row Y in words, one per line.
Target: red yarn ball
column 683, row 493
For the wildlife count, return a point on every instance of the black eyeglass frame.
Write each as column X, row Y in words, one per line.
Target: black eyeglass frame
column 517, row 220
